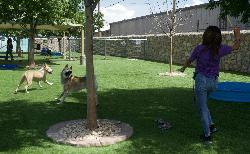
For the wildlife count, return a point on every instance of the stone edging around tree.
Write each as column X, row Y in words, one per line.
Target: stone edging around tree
column 74, row 132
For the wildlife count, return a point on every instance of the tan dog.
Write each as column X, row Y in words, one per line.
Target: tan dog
column 35, row 75
column 72, row 83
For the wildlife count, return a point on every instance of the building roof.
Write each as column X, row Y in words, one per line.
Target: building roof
column 63, row 27
column 161, row 13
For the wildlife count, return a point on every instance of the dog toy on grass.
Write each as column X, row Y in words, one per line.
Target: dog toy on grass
column 163, row 125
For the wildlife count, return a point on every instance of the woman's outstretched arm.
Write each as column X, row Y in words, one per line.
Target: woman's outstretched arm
column 236, row 44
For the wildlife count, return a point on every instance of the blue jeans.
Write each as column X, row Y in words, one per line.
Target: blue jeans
column 203, row 87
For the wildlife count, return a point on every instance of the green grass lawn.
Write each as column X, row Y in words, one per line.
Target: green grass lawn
column 129, row 91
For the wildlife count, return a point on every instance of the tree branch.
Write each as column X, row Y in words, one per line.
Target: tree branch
column 91, row 3
column 95, row 4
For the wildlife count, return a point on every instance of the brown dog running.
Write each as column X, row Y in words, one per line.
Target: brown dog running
column 72, row 83
column 35, row 75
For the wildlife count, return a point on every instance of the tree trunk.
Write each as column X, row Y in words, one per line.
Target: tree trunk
column 31, row 45
column 18, row 46
column 59, row 44
column 172, row 33
column 88, row 47
column 171, row 54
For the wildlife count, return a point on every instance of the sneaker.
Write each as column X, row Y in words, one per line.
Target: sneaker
column 213, row 129
column 206, row 139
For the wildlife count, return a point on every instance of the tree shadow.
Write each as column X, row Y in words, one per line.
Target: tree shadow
column 23, row 123
column 140, row 108
column 237, row 73
column 29, row 89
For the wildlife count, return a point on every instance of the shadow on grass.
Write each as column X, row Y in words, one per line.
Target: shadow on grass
column 24, row 123
column 23, row 62
column 141, row 107
column 29, row 89
column 237, row 73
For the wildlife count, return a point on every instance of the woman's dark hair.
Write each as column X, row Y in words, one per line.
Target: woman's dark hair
column 9, row 41
column 212, row 39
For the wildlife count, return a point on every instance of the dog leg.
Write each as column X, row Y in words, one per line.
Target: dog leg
column 17, row 88
column 63, row 97
column 29, row 83
column 65, row 94
column 59, row 96
column 22, row 80
column 49, row 83
column 96, row 88
column 26, row 89
column 97, row 102
column 39, row 83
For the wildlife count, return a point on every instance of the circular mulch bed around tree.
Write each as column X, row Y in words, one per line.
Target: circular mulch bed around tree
column 74, row 132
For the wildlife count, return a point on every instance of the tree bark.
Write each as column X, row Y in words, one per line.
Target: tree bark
column 31, row 45
column 171, row 54
column 91, row 99
column 59, row 44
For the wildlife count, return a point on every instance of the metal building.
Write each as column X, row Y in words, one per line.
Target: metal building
column 189, row 19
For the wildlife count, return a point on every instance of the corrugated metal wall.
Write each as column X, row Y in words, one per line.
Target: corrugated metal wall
column 197, row 18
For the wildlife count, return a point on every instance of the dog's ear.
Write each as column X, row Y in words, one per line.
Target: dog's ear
column 66, row 66
column 71, row 67
column 44, row 64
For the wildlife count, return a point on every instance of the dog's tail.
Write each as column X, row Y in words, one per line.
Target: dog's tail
column 96, row 84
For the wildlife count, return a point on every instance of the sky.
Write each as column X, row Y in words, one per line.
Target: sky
column 118, row 10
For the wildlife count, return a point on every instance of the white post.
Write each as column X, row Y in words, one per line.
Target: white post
column 63, row 50
column 69, row 49
column 105, row 49
column 82, row 57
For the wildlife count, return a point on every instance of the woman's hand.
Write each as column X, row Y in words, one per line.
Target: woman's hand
column 236, row 31
column 236, row 44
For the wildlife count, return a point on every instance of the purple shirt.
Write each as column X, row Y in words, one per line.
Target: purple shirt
column 206, row 64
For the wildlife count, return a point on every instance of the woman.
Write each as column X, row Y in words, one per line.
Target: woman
column 9, row 49
column 207, row 56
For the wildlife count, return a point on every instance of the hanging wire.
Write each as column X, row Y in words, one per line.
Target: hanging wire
column 114, row 4
column 158, row 18
column 165, row 21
